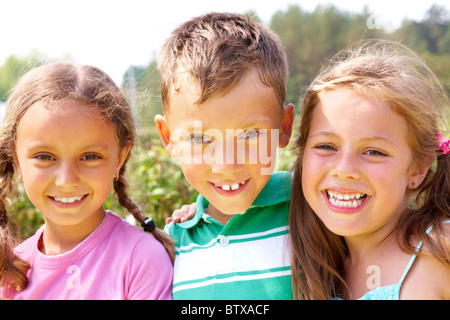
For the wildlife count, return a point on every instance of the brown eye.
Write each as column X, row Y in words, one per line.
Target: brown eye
column 90, row 157
column 44, row 157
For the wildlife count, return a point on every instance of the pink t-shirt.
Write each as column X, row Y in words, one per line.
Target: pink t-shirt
column 117, row 261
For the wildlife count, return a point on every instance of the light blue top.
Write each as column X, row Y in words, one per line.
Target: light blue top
column 392, row 292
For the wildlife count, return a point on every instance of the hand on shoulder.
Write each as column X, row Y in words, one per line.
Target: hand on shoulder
column 185, row 213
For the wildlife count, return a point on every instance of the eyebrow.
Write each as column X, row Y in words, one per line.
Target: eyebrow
column 365, row 139
column 259, row 122
column 45, row 146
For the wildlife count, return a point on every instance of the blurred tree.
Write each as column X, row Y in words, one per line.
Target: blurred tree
column 312, row 38
column 14, row 67
column 148, row 95
column 430, row 38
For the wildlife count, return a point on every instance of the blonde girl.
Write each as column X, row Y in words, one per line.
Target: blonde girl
column 67, row 134
column 371, row 191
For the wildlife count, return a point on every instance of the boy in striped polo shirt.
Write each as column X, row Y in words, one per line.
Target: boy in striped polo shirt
column 223, row 89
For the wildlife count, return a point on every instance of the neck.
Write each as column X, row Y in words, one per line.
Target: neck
column 218, row 215
column 363, row 247
column 59, row 239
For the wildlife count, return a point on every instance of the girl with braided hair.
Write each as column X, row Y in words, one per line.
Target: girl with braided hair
column 67, row 133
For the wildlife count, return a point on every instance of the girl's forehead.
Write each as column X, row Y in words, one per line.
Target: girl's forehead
column 351, row 115
column 66, row 119
column 63, row 109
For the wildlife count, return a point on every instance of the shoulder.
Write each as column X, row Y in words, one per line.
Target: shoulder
column 438, row 269
column 149, row 268
column 441, row 238
column 132, row 238
column 433, row 278
column 174, row 230
column 277, row 190
column 27, row 248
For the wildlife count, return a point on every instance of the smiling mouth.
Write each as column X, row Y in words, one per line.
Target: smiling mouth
column 66, row 200
column 232, row 187
column 346, row 200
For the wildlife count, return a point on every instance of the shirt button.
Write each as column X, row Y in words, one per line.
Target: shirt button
column 224, row 241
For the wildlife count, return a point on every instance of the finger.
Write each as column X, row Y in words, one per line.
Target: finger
column 177, row 213
column 192, row 211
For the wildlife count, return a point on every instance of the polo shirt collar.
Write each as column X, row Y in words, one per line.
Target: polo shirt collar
column 277, row 190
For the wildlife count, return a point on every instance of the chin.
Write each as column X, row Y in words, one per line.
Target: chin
column 234, row 210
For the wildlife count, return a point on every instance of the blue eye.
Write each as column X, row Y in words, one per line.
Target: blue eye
column 250, row 134
column 199, row 139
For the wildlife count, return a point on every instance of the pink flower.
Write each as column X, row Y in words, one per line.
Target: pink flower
column 444, row 144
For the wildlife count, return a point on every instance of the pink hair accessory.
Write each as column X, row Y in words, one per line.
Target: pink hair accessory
column 444, row 144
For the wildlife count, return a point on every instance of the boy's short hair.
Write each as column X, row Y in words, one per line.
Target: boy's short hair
column 218, row 50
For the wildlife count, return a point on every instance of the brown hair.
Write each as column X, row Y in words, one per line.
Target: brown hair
column 392, row 73
column 218, row 50
column 56, row 82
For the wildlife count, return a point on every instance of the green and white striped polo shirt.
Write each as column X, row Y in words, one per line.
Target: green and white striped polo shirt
column 248, row 258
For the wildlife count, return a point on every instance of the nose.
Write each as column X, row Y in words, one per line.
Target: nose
column 67, row 175
column 226, row 158
column 346, row 166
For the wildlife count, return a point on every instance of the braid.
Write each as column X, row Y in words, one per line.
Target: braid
column 6, row 177
column 121, row 189
column 13, row 270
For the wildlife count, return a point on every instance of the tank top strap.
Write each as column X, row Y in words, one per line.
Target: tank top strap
column 413, row 257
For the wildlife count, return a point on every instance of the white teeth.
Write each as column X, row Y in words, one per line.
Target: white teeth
column 67, row 200
column 347, row 196
column 346, row 204
column 227, row 187
column 235, row 186
column 348, row 200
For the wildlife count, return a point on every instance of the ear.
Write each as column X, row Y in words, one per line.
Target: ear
column 17, row 166
column 123, row 154
column 418, row 174
column 286, row 125
column 164, row 132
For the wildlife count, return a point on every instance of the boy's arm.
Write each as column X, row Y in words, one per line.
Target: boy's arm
column 186, row 212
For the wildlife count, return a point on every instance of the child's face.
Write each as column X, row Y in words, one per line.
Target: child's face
column 356, row 165
column 227, row 145
column 68, row 156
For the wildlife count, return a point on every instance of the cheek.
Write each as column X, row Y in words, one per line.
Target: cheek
column 314, row 169
column 313, row 166
column 389, row 175
column 184, row 153
column 193, row 172
column 32, row 175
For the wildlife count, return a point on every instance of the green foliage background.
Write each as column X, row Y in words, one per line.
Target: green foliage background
column 310, row 38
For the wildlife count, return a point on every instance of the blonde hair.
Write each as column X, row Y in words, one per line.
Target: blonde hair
column 390, row 72
column 218, row 50
column 49, row 83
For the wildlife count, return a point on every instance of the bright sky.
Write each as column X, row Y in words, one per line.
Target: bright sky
column 114, row 34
